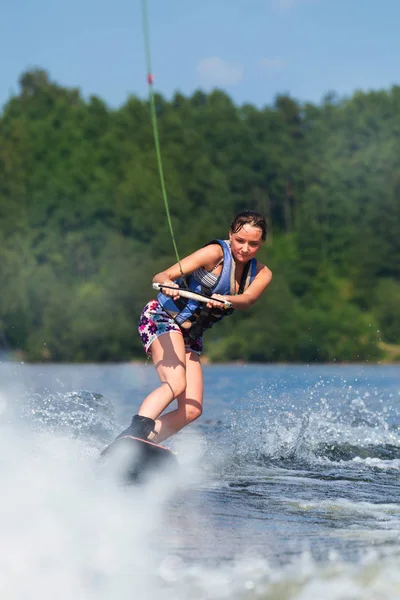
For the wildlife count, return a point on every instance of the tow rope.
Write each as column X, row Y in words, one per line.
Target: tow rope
column 150, row 82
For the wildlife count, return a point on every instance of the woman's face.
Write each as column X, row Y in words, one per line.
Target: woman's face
column 245, row 243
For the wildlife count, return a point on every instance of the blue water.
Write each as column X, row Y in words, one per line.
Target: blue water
column 288, row 487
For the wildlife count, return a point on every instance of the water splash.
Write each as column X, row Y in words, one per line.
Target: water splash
column 273, row 431
column 81, row 414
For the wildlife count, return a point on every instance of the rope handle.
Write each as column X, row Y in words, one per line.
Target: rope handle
column 191, row 295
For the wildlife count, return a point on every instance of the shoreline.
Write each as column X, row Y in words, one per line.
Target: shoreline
column 137, row 362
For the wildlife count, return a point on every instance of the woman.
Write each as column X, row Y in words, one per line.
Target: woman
column 171, row 327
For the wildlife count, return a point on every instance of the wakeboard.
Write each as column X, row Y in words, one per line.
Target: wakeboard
column 139, row 458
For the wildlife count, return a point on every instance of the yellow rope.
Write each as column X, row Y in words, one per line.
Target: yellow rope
column 150, row 81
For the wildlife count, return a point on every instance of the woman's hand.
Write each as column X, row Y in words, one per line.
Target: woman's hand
column 169, row 292
column 213, row 302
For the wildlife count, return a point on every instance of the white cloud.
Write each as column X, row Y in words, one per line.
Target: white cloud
column 286, row 5
column 272, row 64
column 216, row 71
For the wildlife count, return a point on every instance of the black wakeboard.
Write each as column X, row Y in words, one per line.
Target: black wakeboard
column 139, row 458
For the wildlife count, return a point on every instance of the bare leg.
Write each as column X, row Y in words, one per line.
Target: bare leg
column 169, row 358
column 190, row 402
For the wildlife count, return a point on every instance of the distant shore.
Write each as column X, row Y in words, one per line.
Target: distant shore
column 9, row 358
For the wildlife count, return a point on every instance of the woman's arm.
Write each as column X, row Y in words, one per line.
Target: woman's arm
column 205, row 257
column 253, row 292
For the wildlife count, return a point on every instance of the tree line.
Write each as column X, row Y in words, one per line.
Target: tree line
column 83, row 226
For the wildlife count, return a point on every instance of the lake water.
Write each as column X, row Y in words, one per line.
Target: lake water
column 288, row 487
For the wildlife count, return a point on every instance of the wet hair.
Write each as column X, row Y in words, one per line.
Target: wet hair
column 249, row 217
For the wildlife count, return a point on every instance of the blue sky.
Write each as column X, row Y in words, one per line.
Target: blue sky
column 253, row 49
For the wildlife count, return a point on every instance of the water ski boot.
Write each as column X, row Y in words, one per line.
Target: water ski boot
column 140, row 427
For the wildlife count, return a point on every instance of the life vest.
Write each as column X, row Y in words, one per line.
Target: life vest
column 193, row 316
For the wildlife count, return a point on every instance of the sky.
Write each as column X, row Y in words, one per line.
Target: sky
column 252, row 49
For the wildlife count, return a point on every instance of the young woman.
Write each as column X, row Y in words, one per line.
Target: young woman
column 171, row 327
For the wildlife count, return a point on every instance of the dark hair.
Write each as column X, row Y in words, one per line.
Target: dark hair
column 249, row 217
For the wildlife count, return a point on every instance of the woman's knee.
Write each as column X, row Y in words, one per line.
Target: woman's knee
column 193, row 412
column 177, row 385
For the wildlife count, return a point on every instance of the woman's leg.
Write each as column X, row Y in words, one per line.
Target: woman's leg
column 190, row 401
column 169, row 358
column 181, row 377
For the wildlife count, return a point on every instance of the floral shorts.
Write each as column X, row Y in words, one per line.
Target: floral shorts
column 154, row 321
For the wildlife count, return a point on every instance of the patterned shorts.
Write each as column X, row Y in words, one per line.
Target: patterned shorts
column 154, row 321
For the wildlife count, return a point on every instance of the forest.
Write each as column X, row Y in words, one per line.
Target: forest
column 83, row 227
